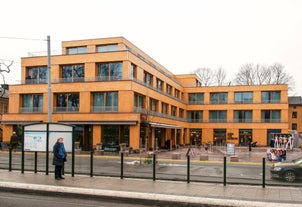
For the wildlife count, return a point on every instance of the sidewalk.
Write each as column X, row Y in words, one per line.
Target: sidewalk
column 161, row 193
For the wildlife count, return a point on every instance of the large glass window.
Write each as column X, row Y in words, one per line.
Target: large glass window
column 139, row 101
column 243, row 116
column 270, row 115
column 32, row 103
column 114, row 135
column 196, row 98
column 110, row 71
column 243, row 97
column 37, row 75
column 73, row 73
column 173, row 110
column 168, row 89
column 67, row 102
column 153, row 104
column 218, row 116
column 76, row 50
column 159, row 84
column 105, row 101
column 107, row 48
column 219, row 98
column 195, row 116
column 164, row 108
column 133, row 71
column 271, row 96
column 148, row 78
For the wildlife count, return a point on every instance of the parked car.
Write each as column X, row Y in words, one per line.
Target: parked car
column 288, row 171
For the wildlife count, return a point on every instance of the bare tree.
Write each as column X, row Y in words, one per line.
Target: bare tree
column 5, row 69
column 251, row 74
column 246, row 75
column 220, row 75
column 206, row 75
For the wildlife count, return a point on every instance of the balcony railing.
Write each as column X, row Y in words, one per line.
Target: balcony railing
column 104, row 108
column 66, row 109
column 30, row 109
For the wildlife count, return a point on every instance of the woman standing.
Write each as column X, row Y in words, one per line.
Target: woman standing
column 59, row 157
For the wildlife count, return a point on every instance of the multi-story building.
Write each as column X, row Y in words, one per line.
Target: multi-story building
column 113, row 93
column 294, row 114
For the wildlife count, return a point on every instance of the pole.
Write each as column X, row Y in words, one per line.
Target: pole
column 188, row 169
column 49, row 81
column 263, row 172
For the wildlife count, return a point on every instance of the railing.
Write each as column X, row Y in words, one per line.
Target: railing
column 213, row 164
column 31, row 109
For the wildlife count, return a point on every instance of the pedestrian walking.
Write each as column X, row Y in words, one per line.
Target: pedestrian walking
column 14, row 141
column 59, row 158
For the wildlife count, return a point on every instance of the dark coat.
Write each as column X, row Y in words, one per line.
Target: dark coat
column 57, row 159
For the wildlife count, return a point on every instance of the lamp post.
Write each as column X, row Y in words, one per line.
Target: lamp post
column 49, row 81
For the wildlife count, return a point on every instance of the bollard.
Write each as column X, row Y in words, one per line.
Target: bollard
column 224, row 171
column 154, row 166
column 91, row 163
column 263, row 172
column 122, row 165
column 188, row 169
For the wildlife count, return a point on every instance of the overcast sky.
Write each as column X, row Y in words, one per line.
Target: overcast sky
column 182, row 35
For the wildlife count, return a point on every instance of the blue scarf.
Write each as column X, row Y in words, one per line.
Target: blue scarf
column 61, row 150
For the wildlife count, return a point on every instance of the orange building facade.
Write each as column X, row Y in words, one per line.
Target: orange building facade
column 114, row 93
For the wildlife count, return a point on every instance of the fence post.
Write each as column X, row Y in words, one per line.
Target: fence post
column 263, row 172
column 224, row 171
column 188, row 169
column 122, row 165
column 10, row 159
column 91, row 163
column 154, row 166
column 36, row 162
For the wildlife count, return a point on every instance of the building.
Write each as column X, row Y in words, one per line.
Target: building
column 294, row 115
column 114, row 93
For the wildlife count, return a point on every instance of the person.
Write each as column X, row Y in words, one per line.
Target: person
column 14, row 141
column 59, row 158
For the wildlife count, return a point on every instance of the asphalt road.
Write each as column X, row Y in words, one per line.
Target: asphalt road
column 13, row 199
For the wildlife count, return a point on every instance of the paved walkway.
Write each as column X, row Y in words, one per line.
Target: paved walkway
column 161, row 193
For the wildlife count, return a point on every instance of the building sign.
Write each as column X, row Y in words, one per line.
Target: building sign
column 230, row 150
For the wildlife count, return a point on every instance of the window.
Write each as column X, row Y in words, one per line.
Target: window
column 168, row 89
column 148, row 78
column 73, row 73
column 243, row 116
column 270, row 96
column 196, row 98
column 76, row 50
column 37, row 75
column 243, row 97
column 67, row 102
column 133, row 71
column 177, row 93
column 153, row 104
column 107, row 48
column 159, row 84
column 218, row 116
column 219, row 98
column 294, row 126
column 181, row 113
column 105, row 101
column 139, row 101
column 270, row 116
column 173, row 110
column 32, row 102
column 295, row 114
column 195, row 116
column 110, row 71
column 164, row 108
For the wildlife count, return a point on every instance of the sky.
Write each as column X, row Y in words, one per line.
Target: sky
column 181, row 35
